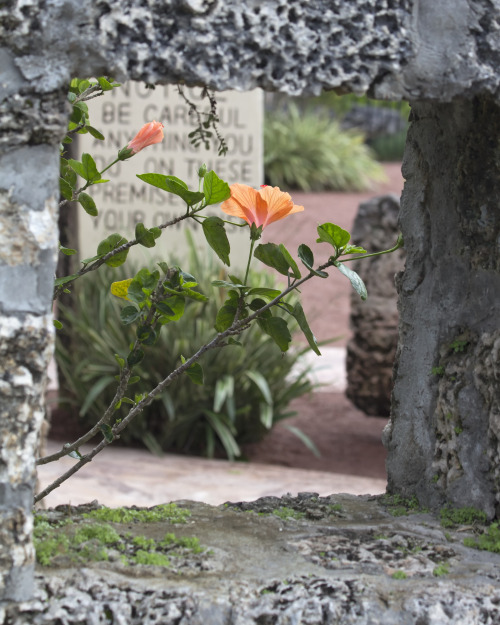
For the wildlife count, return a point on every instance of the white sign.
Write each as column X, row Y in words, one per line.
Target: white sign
column 126, row 200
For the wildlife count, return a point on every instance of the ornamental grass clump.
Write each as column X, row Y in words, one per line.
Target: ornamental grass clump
column 247, row 389
column 309, row 151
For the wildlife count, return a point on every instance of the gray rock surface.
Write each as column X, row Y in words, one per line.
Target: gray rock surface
column 443, row 440
column 333, row 564
column 372, row 349
column 415, row 49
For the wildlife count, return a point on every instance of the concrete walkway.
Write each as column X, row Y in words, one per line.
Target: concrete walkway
column 126, row 477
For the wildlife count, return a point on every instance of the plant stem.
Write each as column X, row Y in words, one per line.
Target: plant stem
column 249, row 260
column 399, row 244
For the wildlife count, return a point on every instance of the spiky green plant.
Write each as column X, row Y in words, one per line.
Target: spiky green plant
column 308, row 151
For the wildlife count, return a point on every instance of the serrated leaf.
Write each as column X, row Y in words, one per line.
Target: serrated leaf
column 357, row 283
column 277, row 329
column 129, row 314
column 298, row 313
column 215, row 189
column 88, row 204
column 173, row 185
column 215, row 234
column 111, row 243
column 270, row 254
column 144, row 236
column 334, row 235
column 290, row 261
column 306, row 256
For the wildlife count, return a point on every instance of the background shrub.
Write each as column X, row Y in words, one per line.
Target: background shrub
column 247, row 390
column 308, row 150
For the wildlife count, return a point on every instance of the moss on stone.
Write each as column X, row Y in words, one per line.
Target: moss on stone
column 452, row 517
column 165, row 512
column 487, row 541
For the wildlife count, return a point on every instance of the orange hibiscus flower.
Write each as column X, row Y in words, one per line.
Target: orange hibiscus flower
column 261, row 207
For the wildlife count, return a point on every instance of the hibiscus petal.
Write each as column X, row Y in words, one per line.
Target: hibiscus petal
column 241, row 203
column 279, row 204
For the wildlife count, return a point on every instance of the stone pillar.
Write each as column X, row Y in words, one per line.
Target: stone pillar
column 371, row 351
column 31, row 127
column 443, row 440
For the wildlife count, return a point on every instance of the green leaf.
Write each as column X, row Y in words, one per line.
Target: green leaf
column 83, row 85
column 144, row 236
column 67, row 251
column 59, row 281
column 357, row 284
column 215, row 189
column 271, row 255
column 135, row 292
column 87, row 169
column 265, row 292
column 225, row 317
column 129, row 314
column 135, row 357
column 195, row 373
column 261, row 383
column 224, row 430
column 109, row 244
column 57, row 324
column 177, row 305
column 104, row 84
column 307, row 257
column 146, row 335
column 134, row 379
column 165, row 309
column 277, row 329
column 173, row 185
column 95, row 133
column 335, row 235
column 107, row 432
column 88, row 204
column 120, row 361
column 196, row 295
column 228, row 285
column 65, row 189
column 290, row 261
column 215, row 234
column 354, row 249
column 299, row 315
column 305, row 439
column 75, row 454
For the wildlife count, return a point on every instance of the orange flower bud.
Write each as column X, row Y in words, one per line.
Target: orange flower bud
column 149, row 134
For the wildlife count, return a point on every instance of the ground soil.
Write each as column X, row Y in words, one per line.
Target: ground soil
column 349, row 440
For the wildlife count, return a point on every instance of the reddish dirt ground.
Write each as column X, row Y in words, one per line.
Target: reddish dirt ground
column 349, row 441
